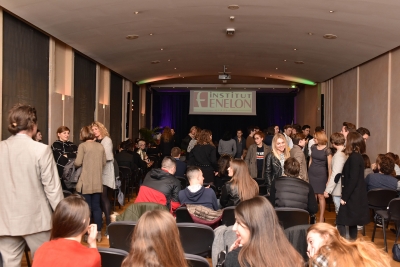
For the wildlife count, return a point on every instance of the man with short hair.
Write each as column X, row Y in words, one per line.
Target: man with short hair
column 196, row 193
column 299, row 142
column 347, row 127
column 306, row 131
column 384, row 178
column 287, row 131
column 240, row 144
column 180, row 165
column 276, row 129
column 365, row 133
column 249, row 141
column 160, row 185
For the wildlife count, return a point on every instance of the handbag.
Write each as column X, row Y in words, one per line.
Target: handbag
column 396, row 251
column 221, row 258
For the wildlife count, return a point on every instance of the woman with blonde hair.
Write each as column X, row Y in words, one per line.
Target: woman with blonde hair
column 320, row 160
column 155, row 242
column 103, row 137
column 275, row 159
column 327, row 248
column 204, row 156
column 241, row 187
column 261, row 241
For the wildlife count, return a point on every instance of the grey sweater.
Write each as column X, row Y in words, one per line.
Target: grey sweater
column 227, row 147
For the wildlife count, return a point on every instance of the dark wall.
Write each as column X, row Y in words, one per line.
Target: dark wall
column 25, row 71
column 172, row 109
column 84, row 93
column 115, row 109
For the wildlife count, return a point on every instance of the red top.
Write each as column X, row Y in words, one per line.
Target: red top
column 65, row 253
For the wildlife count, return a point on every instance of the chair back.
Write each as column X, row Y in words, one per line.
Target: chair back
column 182, row 215
column 289, row 217
column 111, row 257
column 394, row 209
column 183, row 180
column 378, row 199
column 297, row 236
column 196, row 261
column 120, row 234
column 228, row 216
column 262, row 190
column 260, row 181
column 196, row 238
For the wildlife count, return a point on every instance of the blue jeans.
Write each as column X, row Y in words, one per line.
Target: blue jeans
column 336, row 201
column 94, row 201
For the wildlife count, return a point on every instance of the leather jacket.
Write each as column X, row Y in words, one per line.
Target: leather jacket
column 273, row 169
column 229, row 196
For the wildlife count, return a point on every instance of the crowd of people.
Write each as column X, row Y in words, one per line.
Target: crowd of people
column 297, row 169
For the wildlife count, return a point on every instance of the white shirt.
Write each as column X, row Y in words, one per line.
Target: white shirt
column 289, row 141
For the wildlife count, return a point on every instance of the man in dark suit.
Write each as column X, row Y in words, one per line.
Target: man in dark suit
column 180, row 165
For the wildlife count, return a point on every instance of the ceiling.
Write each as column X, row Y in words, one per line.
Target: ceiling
column 195, row 45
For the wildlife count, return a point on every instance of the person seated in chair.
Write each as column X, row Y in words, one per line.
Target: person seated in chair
column 196, row 193
column 130, row 160
column 180, row 165
column 384, row 178
column 160, row 185
column 291, row 191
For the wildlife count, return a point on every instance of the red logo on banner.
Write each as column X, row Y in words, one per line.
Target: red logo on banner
column 201, row 99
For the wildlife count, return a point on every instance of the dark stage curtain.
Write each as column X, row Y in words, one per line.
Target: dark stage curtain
column 25, row 71
column 84, row 93
column 172, row 109
column 115, row 109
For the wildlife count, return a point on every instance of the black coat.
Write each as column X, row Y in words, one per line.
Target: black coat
column 273, row 169
column 229, row 196
column 354, row 193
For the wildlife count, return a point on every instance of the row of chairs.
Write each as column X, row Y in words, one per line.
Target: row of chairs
column 112, row 257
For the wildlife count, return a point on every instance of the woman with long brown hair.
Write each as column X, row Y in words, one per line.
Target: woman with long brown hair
column 204, row 155
column 241, row 187
column 261, row 241
column 327, row 248
column 155, row 242
column 256, row 154
column 166, row 142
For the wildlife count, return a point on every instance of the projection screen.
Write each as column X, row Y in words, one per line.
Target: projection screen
column 232, row 102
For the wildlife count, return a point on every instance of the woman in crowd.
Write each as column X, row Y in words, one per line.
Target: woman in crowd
column 275, row 159
column 396, row 160
column 354, row 203
column 338, row 160
column 241, row 187
column 156, row 242
column 103, row 137
column 63, row 151
column 70, row 222
column 226, row 145
column 375, row 166
column 204, row 156
column 223, row 166
column 38, row 136
column 327, row 248
column 255, row 157
column 367, row 165
column 261, row 241
column 166, row 142
column 92, row 158
column 320, row 160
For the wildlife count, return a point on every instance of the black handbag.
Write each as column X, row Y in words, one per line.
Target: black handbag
column 221, row 258
column 396, row 252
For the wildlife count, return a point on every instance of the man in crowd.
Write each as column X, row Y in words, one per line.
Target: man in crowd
column 180, row 165
column 249, row 141
column 364, row 132
column 196, row 193
column 384, row 178
column 287, row 131
column 347, row 127
column 161, row 186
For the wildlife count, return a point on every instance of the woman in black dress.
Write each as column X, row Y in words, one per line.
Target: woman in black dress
column 204, row 155
column 63, row 151
column 354, row 203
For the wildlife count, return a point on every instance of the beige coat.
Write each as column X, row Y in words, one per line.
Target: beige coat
column 298, row 154
column 92, row 158
column 251, row 159
column 338, row 161
column 30, row 186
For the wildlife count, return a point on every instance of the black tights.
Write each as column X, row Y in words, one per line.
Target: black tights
column 105, row 204
column 352, row 231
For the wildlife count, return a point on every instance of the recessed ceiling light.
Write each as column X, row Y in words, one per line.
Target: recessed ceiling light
column 150, row 34
column 136, row 12
column 161, row 49
column 276, row 68
column 174, row 68
column 258, row 88
column 331, row 11
column 285, row 60
column 299, row 62
column 330, row 36
column 183, row 77
column 270, row 75
column 295, row 49
column 169, row 59
column 132, row 36
column 179, row 74
column 155, row 61
column 310, row 33
column 232, row 17
column 233, row 7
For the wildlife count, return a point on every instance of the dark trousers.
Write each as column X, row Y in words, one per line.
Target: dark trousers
column 352, row 231
column 94, row 201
